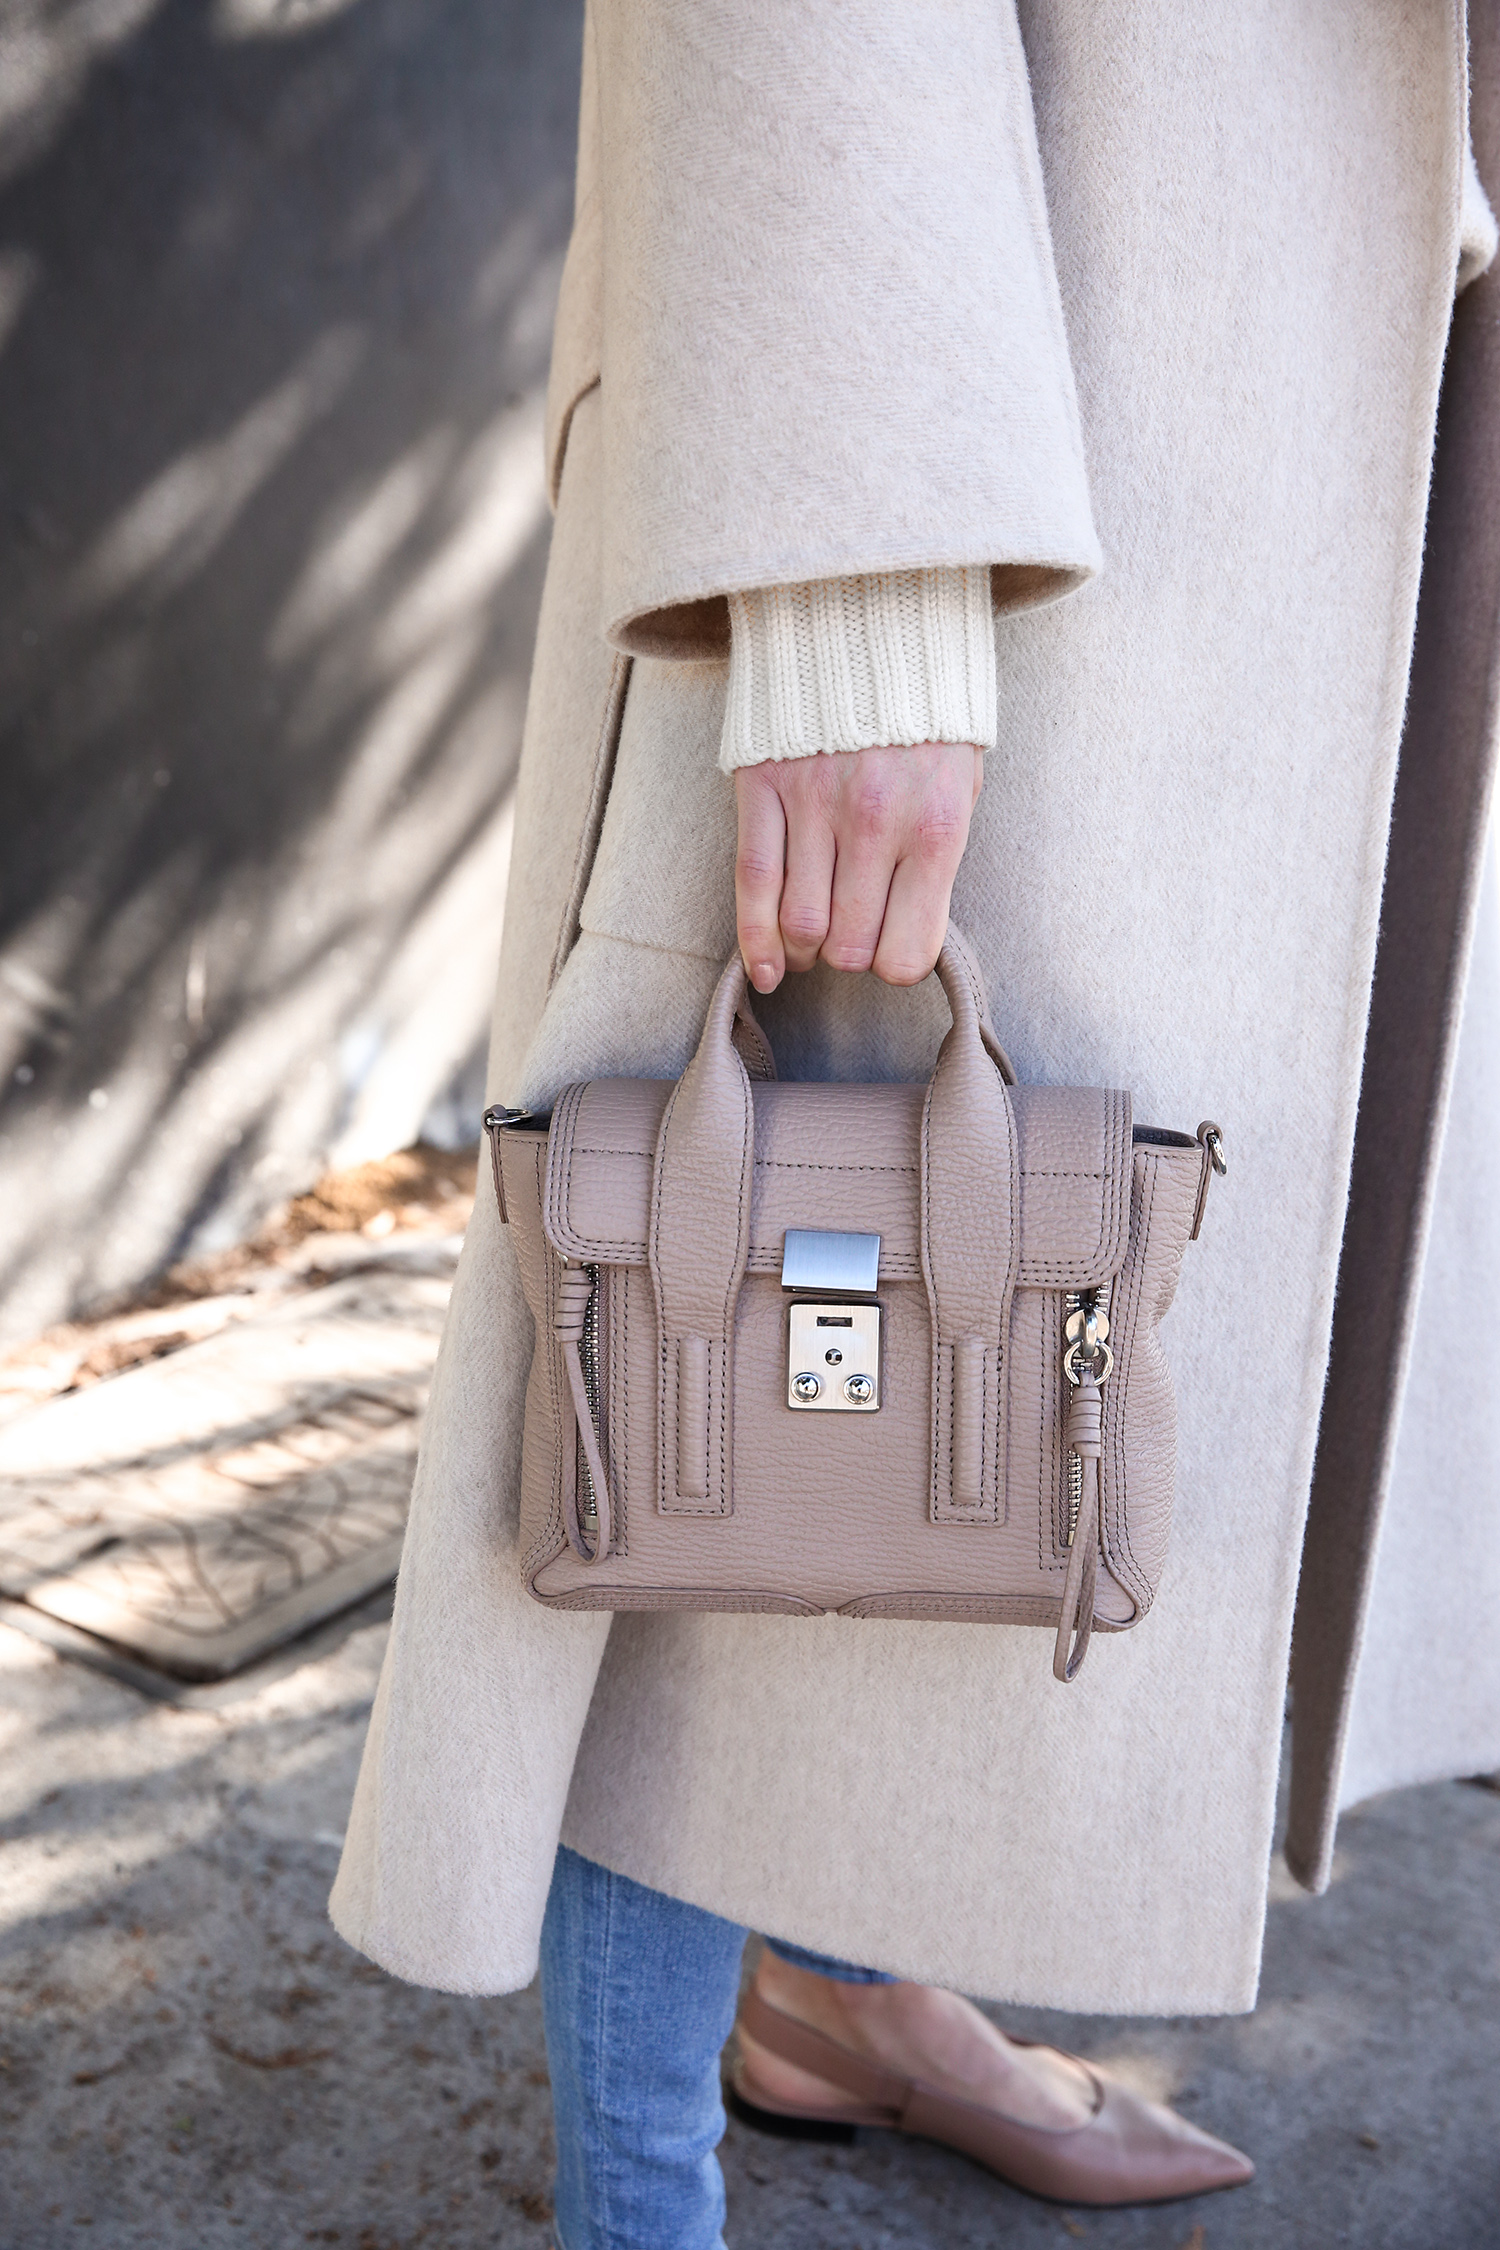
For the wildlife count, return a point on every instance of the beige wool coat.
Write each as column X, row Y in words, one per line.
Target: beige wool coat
column 1146, row 313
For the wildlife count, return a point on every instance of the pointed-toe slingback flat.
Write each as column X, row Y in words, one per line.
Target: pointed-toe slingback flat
column 1128, row 2151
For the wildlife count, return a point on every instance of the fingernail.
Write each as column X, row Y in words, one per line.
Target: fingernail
column 763, row 977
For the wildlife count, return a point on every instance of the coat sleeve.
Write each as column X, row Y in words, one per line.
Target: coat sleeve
column 831, row 343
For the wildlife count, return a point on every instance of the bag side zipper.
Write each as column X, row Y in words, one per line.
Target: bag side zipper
column 1086, row 1364
column 1082, row 1345
column 588, row 1354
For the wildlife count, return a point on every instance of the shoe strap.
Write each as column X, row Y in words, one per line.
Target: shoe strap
column 813, row 2051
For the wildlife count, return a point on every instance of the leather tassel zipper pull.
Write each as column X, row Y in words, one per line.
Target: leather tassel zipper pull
column 1211, row 1141
column 1087, row 1360
column 576, row 1306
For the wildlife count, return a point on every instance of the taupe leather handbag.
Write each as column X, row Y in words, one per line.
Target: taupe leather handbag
column 887, row 1350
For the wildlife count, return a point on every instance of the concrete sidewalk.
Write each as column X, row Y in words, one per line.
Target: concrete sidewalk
column 191, row 2060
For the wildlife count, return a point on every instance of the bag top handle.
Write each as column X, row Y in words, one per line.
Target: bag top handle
column 957, row 972
column 698, row 1240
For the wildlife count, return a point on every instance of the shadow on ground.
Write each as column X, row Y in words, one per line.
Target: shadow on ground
column 190, row 2059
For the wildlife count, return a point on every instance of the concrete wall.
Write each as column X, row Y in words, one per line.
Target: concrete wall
column 276, row 288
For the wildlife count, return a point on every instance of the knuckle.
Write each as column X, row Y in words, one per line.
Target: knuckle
column 872, row 802
column 818, row 779
column 806, row 787
column 757, row 867
column 942, row 824
column 905, row 968
column 804, row 925
column 847, row 955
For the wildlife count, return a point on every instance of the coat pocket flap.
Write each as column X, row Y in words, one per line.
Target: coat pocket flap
column 848, row 1159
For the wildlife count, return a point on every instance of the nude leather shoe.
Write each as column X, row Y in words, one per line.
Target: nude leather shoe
column 1130, row 2150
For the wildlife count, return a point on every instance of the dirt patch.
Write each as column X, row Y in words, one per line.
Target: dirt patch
column 345, row 1221
column 418, row 1187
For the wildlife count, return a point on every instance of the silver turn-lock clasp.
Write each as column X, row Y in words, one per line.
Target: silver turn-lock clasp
column 833, row 1339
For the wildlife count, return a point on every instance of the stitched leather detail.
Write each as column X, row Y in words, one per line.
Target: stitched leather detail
column 968, row 1449
column 1114, row 1517
column 968, row 1609
column 696, row 1248
column 523, row 1156
column 1137, row 1480
column 862, row 1515
column 855, row 1151
column 1036, row 1359
column 846, row 1503
column 971, row 1227
column 692, row 1417
column 678, row 1597
column 615, row 1436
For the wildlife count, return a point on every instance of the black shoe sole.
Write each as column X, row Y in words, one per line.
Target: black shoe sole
column 781, row 2128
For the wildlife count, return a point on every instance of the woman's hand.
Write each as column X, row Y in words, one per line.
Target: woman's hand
column 850, row 857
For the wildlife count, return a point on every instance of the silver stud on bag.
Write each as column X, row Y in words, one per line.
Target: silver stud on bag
column 837, row 1333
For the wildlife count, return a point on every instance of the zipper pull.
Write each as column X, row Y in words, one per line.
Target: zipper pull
column 588, row 1516
column 1085, row 1429
column 577, row 1304
column 1211, row 1141
column 1087, row 1361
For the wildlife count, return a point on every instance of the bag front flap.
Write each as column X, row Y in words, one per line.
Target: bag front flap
column 848, row 1158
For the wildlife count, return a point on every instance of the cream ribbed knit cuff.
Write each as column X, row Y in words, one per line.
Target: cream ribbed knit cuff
column 850, row 663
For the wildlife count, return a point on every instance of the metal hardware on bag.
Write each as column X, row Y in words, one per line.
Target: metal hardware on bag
column 671, row 1208
column 812, row 1259
column 588, row 1354
column 1085, row 1337
column 588, row 1360
column 835, row 1336
column 1085, row 1349
column 498, row 1119
column 1211, row 1141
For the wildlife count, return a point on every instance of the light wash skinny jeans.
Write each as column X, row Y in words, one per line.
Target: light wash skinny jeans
column 638, row 1997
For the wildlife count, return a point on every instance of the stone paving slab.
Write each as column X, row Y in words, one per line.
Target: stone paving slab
column 190, row 2060
column 206, row 1506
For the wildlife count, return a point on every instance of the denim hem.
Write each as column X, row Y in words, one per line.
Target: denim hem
column 828, row 1965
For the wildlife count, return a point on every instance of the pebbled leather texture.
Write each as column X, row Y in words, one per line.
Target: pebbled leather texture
column 970, row 1237
column 697, row 1239
column 854, row 1151
column 992, row 1202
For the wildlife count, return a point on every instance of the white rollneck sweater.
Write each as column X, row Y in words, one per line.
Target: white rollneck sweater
column 849, row 663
